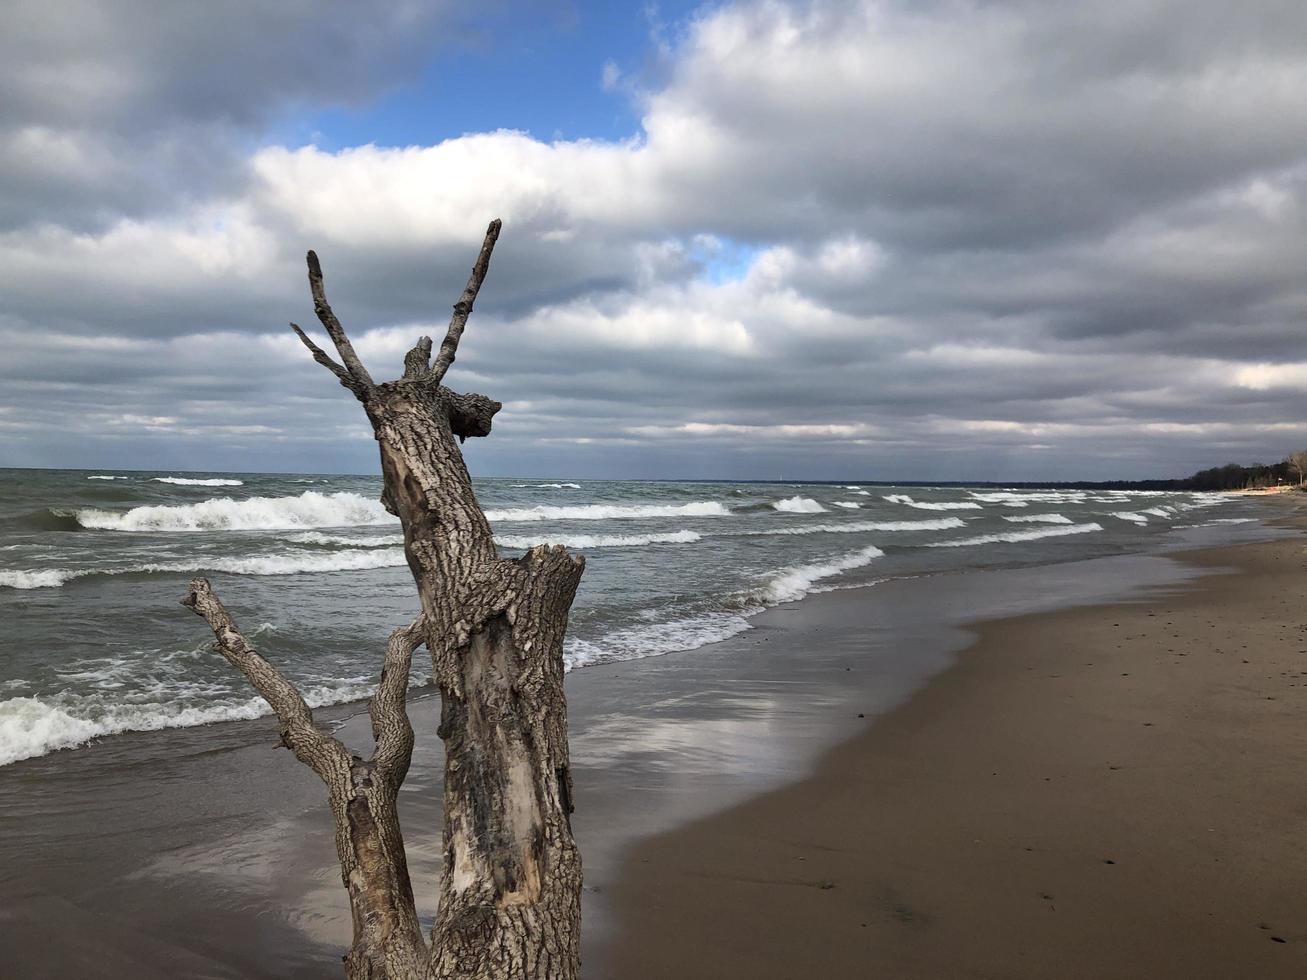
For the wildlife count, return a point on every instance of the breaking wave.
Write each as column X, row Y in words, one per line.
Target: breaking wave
column 606, row 512
column 795, row 583
column 309, row 510
column 106, row 477
column 903, row 498
column 1037, row 519
column 1010, row 537
column 595, row 540
column 854, row 527
column 36, row 726
column 798, row 505
column 288, row 564
column 546, row 486
column 183, row 481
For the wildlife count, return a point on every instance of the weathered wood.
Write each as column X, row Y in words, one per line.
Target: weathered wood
column 509, row 901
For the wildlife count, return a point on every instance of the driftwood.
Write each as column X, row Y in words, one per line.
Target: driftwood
column 509, row 902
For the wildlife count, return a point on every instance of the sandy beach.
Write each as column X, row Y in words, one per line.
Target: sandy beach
column 1112, row 791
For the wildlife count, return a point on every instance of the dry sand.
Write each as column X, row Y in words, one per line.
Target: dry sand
column 1108, row 792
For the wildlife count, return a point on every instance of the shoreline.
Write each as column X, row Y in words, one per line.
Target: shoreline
column 1098, row 791
column 657, row 744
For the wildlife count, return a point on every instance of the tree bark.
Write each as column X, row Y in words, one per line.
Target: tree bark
column 509, row 901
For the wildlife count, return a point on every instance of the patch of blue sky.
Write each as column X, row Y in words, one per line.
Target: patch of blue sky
column 558, row 71
column 723, row 260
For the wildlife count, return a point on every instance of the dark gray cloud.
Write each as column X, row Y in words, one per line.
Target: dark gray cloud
column 935, row 240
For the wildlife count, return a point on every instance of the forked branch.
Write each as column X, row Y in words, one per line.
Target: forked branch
column 463, row 308
column 329, row 322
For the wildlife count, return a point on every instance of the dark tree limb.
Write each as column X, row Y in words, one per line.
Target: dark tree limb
column 320, row 752
column 463, row 308
column 391, row 729
column 388, row 942
column 323, row 358
column 329, row 322
column 510, row 891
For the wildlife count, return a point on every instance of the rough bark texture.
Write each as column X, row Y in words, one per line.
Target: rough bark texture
column 509, row 903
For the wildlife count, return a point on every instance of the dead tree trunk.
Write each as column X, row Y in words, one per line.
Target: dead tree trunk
column 509, row 903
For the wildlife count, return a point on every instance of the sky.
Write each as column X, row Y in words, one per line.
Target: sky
column 936, row 239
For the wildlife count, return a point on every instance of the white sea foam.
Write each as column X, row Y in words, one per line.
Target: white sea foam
column 308, row 510
column 941, row 504
column 656, row 639
column 183, row 481
column 547, row 486
column 1131, row 516
column 852, row 486
column 855, row 527
column 36, row 726
column 795, row 583
column 1162, row 511
column 345, row 541
column 46, row 578
column 1012, row 498
column 294, row 563
column 106, row 477
column 607, row 512
column 1037, row 519
column 847, row 504
column 595, row 540
column 798, row 505
column 1009, row 537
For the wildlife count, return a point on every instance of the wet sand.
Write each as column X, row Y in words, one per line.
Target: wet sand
column 207, row 852
column 1114, row 791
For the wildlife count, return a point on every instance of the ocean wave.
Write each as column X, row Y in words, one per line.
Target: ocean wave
column 1012, row 498
column 1012, row 537
column 656, row 639
column 905, row 500
column 106, row 477
column 847, row 504
column 798, row 505
column 1037, row 519
column 794, row 583
column 286, row 564
column 606, row 512
column 1131, row 516
column 45, row 578
column 183, row 481
column 310, row 509
column 546, row 486
column 36, row 726
column 345, row 541
column 855, row 527
column 596, row 540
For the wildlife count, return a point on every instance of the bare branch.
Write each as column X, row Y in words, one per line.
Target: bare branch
column 334, row 330
column 323, row 358
column 417, row 362
column 463, row 308
column 388, row 709
column 322, row 753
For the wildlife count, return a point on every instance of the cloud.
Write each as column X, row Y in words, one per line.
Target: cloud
column 865, row 239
